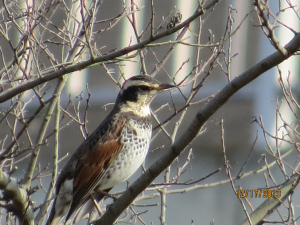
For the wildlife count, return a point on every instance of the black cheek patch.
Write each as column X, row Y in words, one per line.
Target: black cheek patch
column 130, row 94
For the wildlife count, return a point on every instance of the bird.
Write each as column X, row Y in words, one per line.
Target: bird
column 110, row 155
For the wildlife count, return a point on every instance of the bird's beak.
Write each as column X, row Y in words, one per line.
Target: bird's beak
column 163, row 87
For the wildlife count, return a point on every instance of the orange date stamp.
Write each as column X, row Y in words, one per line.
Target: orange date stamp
column 258, row 193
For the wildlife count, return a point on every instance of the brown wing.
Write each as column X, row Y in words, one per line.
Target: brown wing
column 93, row 163
column 89, row 170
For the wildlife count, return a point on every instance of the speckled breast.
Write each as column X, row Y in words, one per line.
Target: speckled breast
column 135, row 137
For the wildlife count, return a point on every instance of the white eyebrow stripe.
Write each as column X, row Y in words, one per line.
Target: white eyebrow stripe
column 131, row 83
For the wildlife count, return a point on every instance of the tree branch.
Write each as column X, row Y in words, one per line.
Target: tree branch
column 271, row 204
column 20, row 200
column 8, row 94
column 202, row 116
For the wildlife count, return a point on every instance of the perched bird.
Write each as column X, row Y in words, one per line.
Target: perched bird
column 111, row 154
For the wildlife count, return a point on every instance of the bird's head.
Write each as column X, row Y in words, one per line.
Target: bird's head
column 137, row 93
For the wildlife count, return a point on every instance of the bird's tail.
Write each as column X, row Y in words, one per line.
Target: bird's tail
column 51, row 215
column 55, row 217
column 89, row 205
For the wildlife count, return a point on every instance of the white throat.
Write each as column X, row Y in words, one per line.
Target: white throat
column 138, row 109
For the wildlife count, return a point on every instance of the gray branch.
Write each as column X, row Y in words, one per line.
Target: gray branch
column 271, row 204
column 18, row 201
column 8, row 94
column 202, row 116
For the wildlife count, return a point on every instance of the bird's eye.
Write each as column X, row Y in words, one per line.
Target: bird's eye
column 144, row 88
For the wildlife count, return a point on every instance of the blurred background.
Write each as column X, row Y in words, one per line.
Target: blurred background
column 211, row 203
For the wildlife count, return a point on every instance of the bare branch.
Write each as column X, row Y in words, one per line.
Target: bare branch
column 21, row 204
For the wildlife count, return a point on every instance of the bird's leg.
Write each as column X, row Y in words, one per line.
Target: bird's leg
column 105, row 193
column 96, row 206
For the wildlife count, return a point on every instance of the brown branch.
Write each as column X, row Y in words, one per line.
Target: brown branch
column 261, row 7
